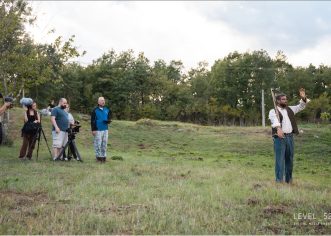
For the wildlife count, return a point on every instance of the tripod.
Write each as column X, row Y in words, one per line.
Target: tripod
column 38, row 135
column 72, row 148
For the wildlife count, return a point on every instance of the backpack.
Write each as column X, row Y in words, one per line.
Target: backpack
column 30, row 127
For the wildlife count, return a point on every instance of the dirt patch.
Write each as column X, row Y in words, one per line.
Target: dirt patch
column 24, row 198
column 257, row 186
column 141, row 146
column 124, row 208
column 275, row 209
column 115, row 209
column 194, row 158
column 136, row 171
column 253, row 201
column 179, row 176
column 19, row 200
column 274, row 229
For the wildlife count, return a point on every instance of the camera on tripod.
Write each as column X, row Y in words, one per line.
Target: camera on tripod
column 71, row 145
column 73, row 129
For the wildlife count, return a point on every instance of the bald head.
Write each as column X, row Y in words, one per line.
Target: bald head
column 63, row 103
column 101, row 101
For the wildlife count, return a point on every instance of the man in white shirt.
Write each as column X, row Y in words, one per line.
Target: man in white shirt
column 283, row 127
column 70, row 117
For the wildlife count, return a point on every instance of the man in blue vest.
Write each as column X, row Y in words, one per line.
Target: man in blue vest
column 283, row 127
column 100, row 119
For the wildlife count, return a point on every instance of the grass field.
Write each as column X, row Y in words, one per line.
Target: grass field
column 174, row 178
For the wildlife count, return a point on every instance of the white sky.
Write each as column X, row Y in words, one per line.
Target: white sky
column 190, row 31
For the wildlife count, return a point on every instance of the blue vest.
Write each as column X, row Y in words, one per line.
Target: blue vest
column 102, row 118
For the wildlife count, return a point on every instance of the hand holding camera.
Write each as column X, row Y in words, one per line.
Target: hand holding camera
column 8, row 101
column 9, row 105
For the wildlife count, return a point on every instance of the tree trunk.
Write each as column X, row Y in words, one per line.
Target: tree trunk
column 5, row 127
column 5, row 117
column 4, row 83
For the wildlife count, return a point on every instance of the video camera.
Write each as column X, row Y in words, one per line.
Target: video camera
column 73, row 129
column 9, row 99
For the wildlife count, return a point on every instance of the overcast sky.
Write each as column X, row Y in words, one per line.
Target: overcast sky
column 190, row 31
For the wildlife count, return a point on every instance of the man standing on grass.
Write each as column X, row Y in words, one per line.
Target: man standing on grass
column 100, row 119
column 282, row 132
column 60, row 122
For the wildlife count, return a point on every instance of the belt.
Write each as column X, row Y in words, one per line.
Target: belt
column 288, row 134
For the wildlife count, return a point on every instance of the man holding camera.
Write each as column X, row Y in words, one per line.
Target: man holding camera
column 4, row 107
column 100, row 119
column 60, row 122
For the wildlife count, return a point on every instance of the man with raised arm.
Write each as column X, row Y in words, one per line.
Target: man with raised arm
column 283, row 127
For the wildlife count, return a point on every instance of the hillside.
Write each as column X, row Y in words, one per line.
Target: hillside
column 174, row 178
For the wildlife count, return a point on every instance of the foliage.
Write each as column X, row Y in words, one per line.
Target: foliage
column 325, row 116
column 228, row 92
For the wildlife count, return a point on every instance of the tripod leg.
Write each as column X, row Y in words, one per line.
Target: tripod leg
column 71, row 151
column 78, row 158
column 62, row 151
column 49, row 150
column 38, row 139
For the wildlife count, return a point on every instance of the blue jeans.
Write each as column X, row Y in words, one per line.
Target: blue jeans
column 284, row 153
column 100, row 143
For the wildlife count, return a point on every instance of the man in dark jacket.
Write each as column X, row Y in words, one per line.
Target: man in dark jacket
column 100, row 119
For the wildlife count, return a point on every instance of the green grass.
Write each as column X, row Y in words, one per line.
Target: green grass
column 173, row 178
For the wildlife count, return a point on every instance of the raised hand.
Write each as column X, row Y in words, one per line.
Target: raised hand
column 302, row 93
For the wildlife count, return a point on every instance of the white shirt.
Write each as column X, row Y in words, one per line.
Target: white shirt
column 286, row 123
column 71, row 119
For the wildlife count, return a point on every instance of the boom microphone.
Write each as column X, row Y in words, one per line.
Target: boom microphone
column 26, row 102
column 45, row 112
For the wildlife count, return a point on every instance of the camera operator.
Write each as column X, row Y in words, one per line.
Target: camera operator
column 4, row 107
column 29, row 131
column 60, row 122
column 100, row 119
column 70, row 117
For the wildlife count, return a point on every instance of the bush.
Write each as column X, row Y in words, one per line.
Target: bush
column 325, row 116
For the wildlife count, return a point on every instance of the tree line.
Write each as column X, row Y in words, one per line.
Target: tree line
column 227, row 93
